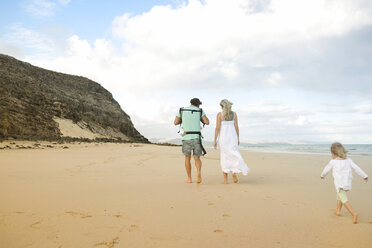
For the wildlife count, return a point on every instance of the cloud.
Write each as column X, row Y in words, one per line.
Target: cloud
column 217, row 49
column 29, row 39
column 43, row 8
column 364, row 109
column 221, row 45
column 40, row 8
column 226, row 43
column 11, row 50
column 64, row 2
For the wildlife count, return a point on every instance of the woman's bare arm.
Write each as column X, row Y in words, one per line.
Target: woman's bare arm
column 236, row 126
column 217, row 130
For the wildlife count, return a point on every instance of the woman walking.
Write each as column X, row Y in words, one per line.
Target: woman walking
column 227, row 132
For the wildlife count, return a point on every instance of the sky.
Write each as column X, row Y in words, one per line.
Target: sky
column 297, row 71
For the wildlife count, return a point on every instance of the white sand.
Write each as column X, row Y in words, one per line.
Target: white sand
column 125, row 195
column 81, row 130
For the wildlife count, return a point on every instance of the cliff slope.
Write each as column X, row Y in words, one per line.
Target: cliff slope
column 41, row 104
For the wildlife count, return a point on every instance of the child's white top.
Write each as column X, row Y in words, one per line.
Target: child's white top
column 342, row 172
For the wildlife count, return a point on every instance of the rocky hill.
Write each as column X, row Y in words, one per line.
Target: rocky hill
column 39, row 104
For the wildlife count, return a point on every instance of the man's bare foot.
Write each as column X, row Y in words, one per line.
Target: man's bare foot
column 224, row 182
column 188, row 181
column 355, row 218
column 235, row 178
column 337, row 212
column 199, row 179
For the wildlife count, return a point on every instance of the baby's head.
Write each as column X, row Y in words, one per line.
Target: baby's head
column 337, row 149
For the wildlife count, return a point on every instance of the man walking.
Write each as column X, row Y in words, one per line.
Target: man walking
column 190, row 117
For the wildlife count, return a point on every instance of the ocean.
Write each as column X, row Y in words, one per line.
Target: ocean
column 354, row 149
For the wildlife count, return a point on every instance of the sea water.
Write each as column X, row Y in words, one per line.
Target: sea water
column 353, row 149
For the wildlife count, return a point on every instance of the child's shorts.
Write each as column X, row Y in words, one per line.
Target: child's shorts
column 341, row 196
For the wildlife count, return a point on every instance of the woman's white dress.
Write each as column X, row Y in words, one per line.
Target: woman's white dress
column 231, row 160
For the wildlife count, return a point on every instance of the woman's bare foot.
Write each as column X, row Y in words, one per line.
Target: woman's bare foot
column 355, row 218
column 199, row 179
column 235, row 178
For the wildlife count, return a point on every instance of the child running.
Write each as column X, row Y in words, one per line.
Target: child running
column 341, row 167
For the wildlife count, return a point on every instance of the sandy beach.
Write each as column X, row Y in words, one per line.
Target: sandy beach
column 134, row 195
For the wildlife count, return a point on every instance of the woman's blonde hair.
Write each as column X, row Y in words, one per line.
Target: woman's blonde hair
column 226, row 108
column 339, row 150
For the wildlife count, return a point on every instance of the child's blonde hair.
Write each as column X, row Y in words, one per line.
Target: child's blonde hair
column 339, row 150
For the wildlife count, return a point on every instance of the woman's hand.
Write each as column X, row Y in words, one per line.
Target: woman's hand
column 215, row 145
column 366, row 179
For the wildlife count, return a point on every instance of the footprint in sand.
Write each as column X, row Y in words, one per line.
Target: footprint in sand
column 269, row 197
column 118, row 215
column 225, row 215
column 109, row 244
column 109, row 160
column 142, row 162
column 210, row 203
column 133, row 228
column 218, row 231
column 300, row 203
column 34, row 225
column 82, row 215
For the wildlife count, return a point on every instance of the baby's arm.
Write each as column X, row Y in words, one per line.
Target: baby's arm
column 359, row 171
column 326, row 170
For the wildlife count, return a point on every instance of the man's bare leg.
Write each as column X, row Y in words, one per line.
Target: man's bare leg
column 188, row 168
column 198, row 165
column 355, row 215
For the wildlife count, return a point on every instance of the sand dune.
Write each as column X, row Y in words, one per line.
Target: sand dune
column 126, row 195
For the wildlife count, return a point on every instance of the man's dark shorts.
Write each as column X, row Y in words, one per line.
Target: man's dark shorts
column 193, row 146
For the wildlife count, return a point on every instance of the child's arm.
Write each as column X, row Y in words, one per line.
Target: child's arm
column 359, row 171
column 326, row 170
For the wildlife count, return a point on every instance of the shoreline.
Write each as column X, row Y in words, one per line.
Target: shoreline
column 37, row 144
column 26, row 144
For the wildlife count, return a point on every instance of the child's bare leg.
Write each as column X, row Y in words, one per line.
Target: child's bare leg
column 188, row 168
column 338, row 208
column 355, row 215
column 235, row 178
column 224, row 178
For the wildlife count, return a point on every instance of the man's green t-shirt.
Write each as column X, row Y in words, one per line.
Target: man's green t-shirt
column 191, row 122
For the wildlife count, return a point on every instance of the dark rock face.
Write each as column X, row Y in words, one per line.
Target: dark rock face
column 30, row 97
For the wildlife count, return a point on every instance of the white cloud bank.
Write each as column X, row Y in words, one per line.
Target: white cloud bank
column 214, row 48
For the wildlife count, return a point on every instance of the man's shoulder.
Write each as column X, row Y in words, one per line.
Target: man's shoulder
column 190, row 107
